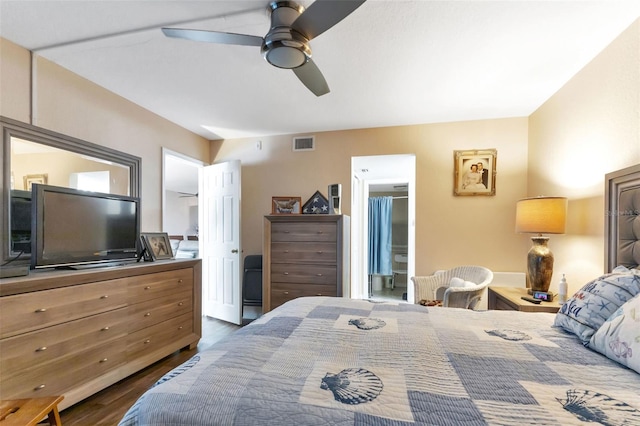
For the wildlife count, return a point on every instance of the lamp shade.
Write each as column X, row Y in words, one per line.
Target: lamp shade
column 541, row 215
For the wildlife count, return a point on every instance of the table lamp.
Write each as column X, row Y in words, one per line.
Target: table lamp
column 540, row 215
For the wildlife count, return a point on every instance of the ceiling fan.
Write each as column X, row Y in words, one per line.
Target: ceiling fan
column 286, row 45
column 187, row 194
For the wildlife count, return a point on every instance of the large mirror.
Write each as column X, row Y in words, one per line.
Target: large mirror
column 34, row 155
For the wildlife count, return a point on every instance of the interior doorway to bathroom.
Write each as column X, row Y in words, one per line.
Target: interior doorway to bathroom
column 388, row 175
column 392, row 285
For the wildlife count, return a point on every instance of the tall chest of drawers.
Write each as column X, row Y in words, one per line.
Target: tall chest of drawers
column 304, row 255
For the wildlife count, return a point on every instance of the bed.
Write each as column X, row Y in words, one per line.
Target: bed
column 338, row 361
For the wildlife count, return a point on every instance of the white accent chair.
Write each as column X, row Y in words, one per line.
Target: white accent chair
column 437, row 286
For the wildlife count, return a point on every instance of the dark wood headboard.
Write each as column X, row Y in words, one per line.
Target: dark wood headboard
column 622, row 218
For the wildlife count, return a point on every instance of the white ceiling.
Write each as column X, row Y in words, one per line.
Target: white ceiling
column 388, row 63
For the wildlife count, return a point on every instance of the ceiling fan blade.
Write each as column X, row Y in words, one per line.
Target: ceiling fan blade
column 213, row 36
column 322, row 15
column 310, row 75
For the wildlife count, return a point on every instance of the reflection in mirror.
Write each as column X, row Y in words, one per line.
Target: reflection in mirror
column 36, row 163
column 34, row 155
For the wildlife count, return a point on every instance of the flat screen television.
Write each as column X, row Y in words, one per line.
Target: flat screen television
column 70, row 228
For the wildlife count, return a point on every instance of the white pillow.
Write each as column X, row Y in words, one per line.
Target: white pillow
column 459, row 282
column 619, row 337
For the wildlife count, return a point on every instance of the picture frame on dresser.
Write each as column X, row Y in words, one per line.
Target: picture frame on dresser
column 157, row 245
column 286, row 205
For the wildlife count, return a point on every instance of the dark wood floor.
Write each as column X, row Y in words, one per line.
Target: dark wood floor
column 107, row 407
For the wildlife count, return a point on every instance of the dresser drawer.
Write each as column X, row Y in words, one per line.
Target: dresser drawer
column 49, row 344
column 300, row 273
column 283, row 292
column 151, row 286
column 145, row 314
column 32, row 311
column 297, row 252
column 54, row 378
column 291, row 231
column 157, row 336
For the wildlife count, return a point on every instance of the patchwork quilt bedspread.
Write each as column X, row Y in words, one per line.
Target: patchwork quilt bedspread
column 336, row 361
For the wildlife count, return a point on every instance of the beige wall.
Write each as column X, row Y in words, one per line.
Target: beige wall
column 71, row 105
column 590, row 127
column 449, row 230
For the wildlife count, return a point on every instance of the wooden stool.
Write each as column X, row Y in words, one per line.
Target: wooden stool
column 29, row 412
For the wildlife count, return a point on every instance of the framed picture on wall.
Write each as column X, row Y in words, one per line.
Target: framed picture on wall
column 286, row 205
column 31, row 179
column 157, row 244
column 474, row 172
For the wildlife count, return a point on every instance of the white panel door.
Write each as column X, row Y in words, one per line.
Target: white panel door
column 220, row 235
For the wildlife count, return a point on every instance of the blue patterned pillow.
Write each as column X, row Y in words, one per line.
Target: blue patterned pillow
column 619, row 337
column 593, row 304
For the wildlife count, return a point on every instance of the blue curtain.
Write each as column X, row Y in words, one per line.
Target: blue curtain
column 380, row 209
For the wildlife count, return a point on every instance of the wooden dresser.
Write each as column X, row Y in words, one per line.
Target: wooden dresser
column 304, row 255
column 74, row 333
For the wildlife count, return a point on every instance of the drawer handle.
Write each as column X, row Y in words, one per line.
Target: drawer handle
column 37, row 388
column 147, row 341
column 106, row 296
column 103, row 360
column 285, row 273
column 41, row 349
column 319, row 275
column 320, row 252
column 319, row 294
column 181, row 304
column 147, row 287
column 180, row 328
column 286, row 292
column 320, row 232
column 40, row 310
column 286, row 251
column 148, row 314
column 105, row 328
column 286, row 232
column 180, row 281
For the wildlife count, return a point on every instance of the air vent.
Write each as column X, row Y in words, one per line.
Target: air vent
column 304, row 143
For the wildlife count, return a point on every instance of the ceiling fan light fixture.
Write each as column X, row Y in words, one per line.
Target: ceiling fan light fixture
column 285, row 48
column 283, row 54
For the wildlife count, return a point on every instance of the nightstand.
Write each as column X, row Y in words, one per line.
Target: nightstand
column 509, row 299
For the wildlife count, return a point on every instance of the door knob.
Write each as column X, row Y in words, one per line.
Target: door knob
column 234, row 251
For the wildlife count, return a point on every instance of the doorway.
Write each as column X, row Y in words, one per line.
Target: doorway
column 390, row 175
column 393, row 284
column 180, row 196
column 201, row 208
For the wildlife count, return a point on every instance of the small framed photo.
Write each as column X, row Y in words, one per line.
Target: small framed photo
column 286, row 205
column 31, row 179
column 474, row 172
column 157, row 244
